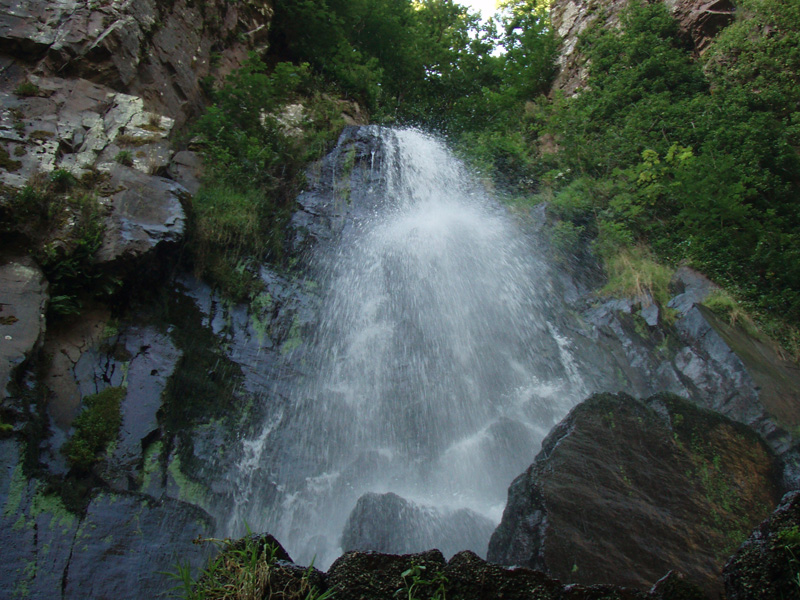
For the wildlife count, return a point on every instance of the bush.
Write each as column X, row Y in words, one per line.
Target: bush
column 27, row 88
column 254, row 168
column 95, row 428
column 699, row 166
column 124, row 157
column 244, row 570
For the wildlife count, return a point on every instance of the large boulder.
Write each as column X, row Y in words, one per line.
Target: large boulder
column 391, row 524
column 624, row 491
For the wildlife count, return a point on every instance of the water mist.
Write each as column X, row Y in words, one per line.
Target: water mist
column 433, row 374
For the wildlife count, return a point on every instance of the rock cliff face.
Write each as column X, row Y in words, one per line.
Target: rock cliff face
column 700, row 20
column 157, row 51
column 624, row 491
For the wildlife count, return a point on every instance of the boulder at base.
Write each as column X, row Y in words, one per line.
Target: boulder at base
column 625, row 490
column 389, row 523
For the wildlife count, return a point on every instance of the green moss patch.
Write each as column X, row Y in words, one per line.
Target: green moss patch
column 95, row 428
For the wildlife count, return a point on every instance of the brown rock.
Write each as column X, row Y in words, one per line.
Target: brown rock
column 624, row 491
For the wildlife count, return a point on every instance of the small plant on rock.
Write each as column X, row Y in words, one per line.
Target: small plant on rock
column 27, row 88
column 95, row 428
column 417, row 587
column 124, row 157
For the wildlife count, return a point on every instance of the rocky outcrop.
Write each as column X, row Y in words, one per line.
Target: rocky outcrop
column 391, row 524
column 767, row 566
column 376, row 576
column 157, row 51
column 22, row 307
column 633, row 346
column 700, row 20
column 121, row 543
column 624, row 491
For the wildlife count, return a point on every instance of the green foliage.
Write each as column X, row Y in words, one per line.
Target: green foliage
column 124, row 157
column 789, row 540
column 27, row 88
column 62, row 180
column 254, row 152
column 633, row 273
column 95, row 428
column 699, row 166
column 725, row 306
column 246, row 569
column 416, row 586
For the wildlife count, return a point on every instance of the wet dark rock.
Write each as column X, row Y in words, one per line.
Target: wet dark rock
column 674, row 586
column 341, row 189
column 22, row 308
column 469, row 577
column 123, row 542
column 767, row 565
column 128, row 542
column 624, row 491
column 391, row 524
column 373, row 576
column 186, row 168
column 146, row 212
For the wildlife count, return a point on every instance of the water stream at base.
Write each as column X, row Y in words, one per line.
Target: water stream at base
column 436, row 370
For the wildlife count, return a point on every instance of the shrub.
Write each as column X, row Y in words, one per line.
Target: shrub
column 27, row 88
column 124, row 157
column 95, row 428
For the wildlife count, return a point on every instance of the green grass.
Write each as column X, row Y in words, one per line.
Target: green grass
column 634, row 273
column 246, row 569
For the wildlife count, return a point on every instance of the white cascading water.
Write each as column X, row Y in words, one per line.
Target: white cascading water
column 435, row 372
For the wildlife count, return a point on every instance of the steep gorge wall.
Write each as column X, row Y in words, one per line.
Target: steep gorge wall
column 699, row 20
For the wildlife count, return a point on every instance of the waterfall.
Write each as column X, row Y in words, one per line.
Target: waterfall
column 433, row 374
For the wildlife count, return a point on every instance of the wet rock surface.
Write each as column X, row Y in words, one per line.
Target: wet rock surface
column 119, row 546
column 767, row 565
column 625, row 490
column 23, row 303
column 391, row 524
